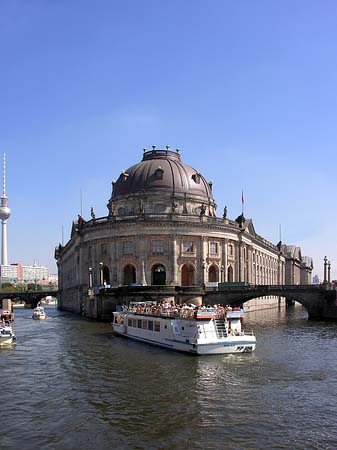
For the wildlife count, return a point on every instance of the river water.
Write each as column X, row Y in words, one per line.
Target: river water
column 69, row 384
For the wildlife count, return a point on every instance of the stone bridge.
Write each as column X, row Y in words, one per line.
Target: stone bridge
column 319, row 300
column 31, row 298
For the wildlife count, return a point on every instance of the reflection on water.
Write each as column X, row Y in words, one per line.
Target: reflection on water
column 69, row 384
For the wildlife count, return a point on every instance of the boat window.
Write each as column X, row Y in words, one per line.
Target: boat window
column 150, row 325
column 139, row 325
column 157, row 326
column 145, row 324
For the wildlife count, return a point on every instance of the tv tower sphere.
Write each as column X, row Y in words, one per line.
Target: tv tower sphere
column 5, row 212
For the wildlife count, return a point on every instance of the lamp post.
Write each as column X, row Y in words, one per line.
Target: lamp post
column 329, row 269
column 101, row 274
column 90, row 277
column 325, row 266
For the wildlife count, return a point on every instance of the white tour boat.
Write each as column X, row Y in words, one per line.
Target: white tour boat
column 39, row 313
column 201, row 331
column 7, row 336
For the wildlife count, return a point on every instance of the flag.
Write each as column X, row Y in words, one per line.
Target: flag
column 242, row 198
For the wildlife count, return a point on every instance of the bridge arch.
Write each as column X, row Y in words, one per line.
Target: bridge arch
column 320, row 302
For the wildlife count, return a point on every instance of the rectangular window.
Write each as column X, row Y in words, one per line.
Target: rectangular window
column 157, row 247
column 145, row 324
column 89, row 252
column 150, row 325
column 157, row 326
column 104, row 249
column 127, row 247
column 188, row 247
column 139, row 324
column 213, row 247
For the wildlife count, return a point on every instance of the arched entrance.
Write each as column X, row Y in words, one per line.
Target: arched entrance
column 129, row 274
column 230, row 274
column 158, row 274
column 187, row 275
column 213, row 273
column 106, row 276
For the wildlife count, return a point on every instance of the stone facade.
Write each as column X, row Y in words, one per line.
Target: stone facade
column 298, row 268
column 162, row 229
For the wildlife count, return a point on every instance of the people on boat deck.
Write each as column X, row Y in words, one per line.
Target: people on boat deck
column 176, row 309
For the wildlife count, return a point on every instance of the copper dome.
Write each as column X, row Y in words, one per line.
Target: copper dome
column 161, row 171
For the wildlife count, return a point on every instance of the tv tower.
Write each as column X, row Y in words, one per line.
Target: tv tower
column 5, row 212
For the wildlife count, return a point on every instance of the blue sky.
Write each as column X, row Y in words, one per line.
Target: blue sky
column 246, row 89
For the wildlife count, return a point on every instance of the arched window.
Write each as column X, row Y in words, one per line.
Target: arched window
column 129, row 274
column 106, row 276
column 230, row 274
column 187, row 275
column 213, row 273
column 158, row 274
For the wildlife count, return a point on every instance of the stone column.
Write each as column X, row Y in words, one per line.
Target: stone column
column 143, row 274
column 249, row 265
column 114, row 274
column 241, row 263
column 225, row 259
column 142, row 242
column 203, row 253
column 174, row 267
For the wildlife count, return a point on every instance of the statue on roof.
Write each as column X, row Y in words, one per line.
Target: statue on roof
column 141, row 206
column 202, row 210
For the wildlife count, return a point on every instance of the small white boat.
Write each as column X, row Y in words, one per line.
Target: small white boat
column 7, row 336
column 39, row 313
column 201, row 331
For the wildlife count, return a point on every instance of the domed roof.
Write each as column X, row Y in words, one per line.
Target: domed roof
column 161, row 171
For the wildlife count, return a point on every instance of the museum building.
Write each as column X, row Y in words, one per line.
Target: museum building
column 162, row 230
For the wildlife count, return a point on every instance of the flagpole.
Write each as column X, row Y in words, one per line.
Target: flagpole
column 81, row 203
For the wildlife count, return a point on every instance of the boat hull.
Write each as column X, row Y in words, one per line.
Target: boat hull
column 6, row 340
column 234, row 345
